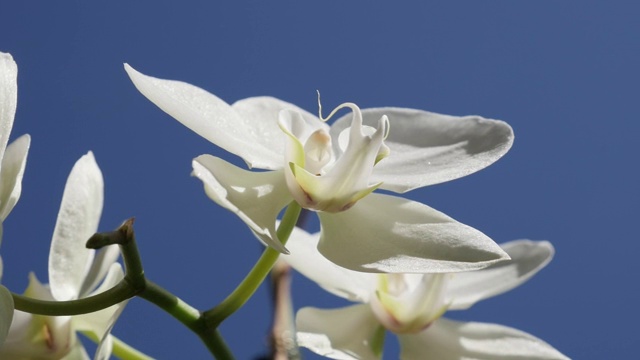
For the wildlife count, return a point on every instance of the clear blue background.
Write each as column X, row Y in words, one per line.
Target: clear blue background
column 565, row 75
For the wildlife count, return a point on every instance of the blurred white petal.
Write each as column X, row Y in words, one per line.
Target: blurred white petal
column 8, row 98
column 69, row 259
column 11, row 173
column 344, row 333
column 102, row 262
column 527, row 258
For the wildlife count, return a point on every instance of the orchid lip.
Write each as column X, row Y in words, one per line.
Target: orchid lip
column 409, row 308
column 318, row 181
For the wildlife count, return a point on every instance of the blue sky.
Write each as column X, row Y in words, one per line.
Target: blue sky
column 563, row 75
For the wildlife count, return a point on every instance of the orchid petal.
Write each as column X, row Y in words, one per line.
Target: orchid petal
column 408, row 311
column 53, row 338
column 305, row 258
column 527, row 258
column 210, row 117
column 11, row 172
column 262, row 114
column 6, row 313
column 37, row 290
column 292, row 125
column 306, row 188
column 55, row 334
column 344, row 333
column 256, row 197
column 8, row 97
column 383, row 233
column 429, row 148
column 78, row 218
column 102, row 261
column 101, row 322
column 347, row 180
column 453, row 340
column 105, row 346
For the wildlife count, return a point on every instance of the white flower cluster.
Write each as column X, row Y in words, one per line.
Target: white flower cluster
column 404, row 263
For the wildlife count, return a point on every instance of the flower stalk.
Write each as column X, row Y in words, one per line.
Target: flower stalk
column 120, row 349
column 215, row 316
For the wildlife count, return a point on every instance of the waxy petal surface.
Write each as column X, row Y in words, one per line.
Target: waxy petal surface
column 305, row 258
column 429, row 148
column 78, row 218
column 102, row 262
column 256, row 197
column 8, row 98
column 453, row 340
column 344, row 333
column 527, row 258
column 11, row 172
column 212, row 118
column 383, row 233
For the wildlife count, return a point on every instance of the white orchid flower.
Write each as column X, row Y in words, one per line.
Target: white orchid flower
column 411, row 305
column 334, row 169
column 12, row 163
column 75, row 272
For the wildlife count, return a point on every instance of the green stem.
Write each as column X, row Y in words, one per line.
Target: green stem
column 122, row 291
column 127, row 352
column 215, row 316
column 377, row 341
column 188, row 316
column 170, row 303
column 125, row 237
column 120, row 349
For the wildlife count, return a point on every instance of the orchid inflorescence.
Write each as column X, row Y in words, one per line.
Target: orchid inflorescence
column 402, row 262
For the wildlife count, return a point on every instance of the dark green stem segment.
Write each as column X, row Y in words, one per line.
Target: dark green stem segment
column 125, row 237
column 215, row 316
column 121, row 292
